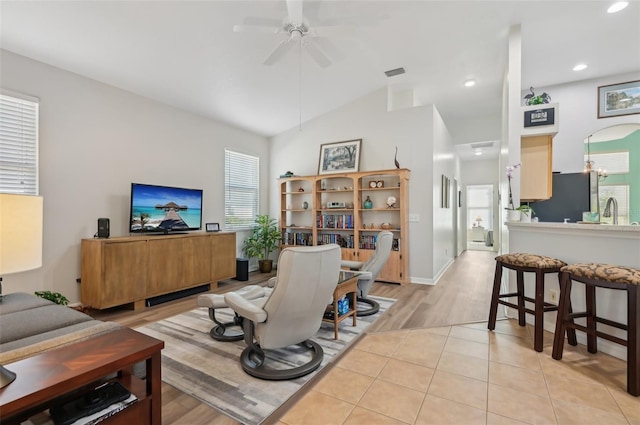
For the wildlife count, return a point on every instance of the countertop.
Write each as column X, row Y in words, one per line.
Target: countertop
column 630, row 230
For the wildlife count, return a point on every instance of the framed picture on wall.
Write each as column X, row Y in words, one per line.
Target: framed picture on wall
column 619, row 99
column 339, row 157
column 445, row 192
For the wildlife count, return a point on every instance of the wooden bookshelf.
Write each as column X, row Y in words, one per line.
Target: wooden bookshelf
column 335, row 213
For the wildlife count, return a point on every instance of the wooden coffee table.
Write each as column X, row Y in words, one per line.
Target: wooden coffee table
column 47, row 376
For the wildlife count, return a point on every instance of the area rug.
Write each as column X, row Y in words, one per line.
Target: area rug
column 210, row 370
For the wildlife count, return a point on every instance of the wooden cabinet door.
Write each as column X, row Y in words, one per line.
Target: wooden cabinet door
column 350, row 254
column 536, row 160
column 198, row 260
column 166, row 265
column 125, row 273
column 223, row 256
column 391, row 270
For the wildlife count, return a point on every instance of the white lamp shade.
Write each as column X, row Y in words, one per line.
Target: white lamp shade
column 20, row 233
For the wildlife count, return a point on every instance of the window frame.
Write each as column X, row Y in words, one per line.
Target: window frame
column 19, row 143
column 252, row 171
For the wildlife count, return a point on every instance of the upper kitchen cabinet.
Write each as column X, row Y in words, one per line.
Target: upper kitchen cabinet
column 540, row 125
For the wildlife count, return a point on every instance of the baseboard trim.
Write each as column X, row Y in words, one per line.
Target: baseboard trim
column 422, row 281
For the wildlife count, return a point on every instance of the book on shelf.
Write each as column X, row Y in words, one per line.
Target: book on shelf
column 297, row 238
column 334, row 221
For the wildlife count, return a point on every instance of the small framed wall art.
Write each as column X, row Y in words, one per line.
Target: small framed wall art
column 619, row 99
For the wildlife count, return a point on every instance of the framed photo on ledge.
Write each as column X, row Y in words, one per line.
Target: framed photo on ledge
column 619, row 99
column 339, row 157
column 212, row 227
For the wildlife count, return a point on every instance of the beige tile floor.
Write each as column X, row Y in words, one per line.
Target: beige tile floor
column 467, row 375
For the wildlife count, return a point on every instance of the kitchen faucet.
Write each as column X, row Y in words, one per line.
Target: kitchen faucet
column 607, row 209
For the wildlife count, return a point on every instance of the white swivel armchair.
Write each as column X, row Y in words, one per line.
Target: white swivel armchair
column 292, row 313
column 384, row 241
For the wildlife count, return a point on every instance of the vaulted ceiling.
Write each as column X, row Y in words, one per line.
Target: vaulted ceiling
column 187, row 54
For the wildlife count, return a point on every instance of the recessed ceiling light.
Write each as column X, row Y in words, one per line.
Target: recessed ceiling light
column 469, row 83
column 478, row 152
column 617, row 6
column 580, row 67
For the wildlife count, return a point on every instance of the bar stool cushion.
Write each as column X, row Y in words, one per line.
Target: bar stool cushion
column 530, row 260
column 604, row 272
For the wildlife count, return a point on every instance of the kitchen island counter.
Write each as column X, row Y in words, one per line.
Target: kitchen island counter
column 581, row 243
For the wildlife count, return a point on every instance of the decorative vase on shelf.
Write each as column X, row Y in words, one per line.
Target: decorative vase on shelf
column 513, row 215
column 368, row 204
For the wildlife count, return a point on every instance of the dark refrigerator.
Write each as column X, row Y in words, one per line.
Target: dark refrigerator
column 572, row 194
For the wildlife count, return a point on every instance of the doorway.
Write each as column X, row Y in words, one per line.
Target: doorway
column 479, row 221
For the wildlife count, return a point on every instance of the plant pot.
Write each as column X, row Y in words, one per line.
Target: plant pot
column 525, row 217
column 265, row 266
column 513, row 215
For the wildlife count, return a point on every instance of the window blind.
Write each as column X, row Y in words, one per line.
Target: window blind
column 241, row 190
column 18, row 145
column 612, row 162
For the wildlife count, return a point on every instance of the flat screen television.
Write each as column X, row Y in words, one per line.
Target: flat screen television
column 164, row 209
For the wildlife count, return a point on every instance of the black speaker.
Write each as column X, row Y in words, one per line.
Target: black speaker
column 242, row 269
column 103, row 227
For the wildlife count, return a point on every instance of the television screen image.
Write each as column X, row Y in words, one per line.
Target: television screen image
column 164, row 209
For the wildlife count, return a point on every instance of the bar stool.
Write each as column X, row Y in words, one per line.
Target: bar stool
column 521, row 263
column 594, row 275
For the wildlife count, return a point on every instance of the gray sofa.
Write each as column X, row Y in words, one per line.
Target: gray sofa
column 30, row 325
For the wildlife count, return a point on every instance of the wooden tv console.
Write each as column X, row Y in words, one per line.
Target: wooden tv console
column 131, row 269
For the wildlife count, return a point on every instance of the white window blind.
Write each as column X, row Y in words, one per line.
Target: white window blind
column 18, row 145
column 612, row 162
column 241, row 190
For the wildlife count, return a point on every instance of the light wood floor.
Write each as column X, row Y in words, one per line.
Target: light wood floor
column 461, row 296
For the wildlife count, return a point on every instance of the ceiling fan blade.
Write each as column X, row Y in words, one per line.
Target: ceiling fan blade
column 329, row 49
column 294, row 7
column 280, row 50
column 316, row 54
column 262, row 22
column 332, row 30
column 256, row 29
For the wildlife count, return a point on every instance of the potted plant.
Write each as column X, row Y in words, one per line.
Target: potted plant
column 264, row 239
column 55, row 297
column 526, row 212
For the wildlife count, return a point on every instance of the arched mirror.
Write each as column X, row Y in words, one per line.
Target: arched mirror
column 614, row 152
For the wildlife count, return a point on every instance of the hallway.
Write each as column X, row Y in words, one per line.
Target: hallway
column 462, row 295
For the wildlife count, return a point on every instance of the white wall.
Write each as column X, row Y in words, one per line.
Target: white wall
column 578, row 103
column 412, row 130
column 94, row 141
column 444, row 219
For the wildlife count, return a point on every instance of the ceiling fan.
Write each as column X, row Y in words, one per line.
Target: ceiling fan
column 297, row 31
